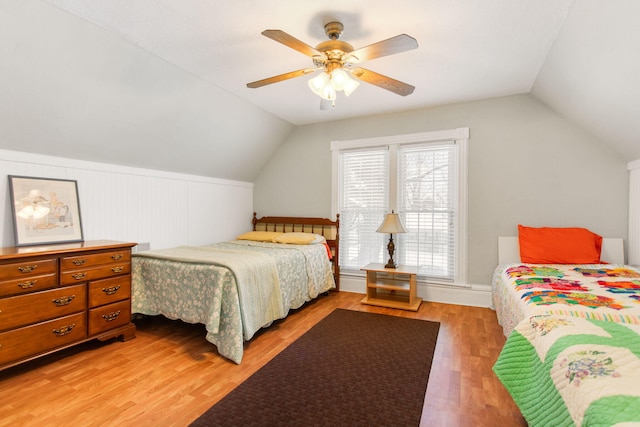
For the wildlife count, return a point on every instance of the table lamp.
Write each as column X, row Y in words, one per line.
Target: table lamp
column 391, row 225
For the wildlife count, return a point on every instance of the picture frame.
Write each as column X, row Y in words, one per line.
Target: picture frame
column 45, row 210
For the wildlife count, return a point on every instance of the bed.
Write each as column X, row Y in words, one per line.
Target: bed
column 572, row 355
column 235, row 288
column 520, row 290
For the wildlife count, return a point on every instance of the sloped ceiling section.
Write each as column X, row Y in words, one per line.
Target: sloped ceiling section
column 161, row 84
column 467, row 50
column 592, row 73
column 71, row 89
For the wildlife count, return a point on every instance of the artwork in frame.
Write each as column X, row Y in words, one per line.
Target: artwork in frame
column 45, row 210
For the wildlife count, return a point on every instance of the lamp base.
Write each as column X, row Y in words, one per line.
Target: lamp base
column 391, row 248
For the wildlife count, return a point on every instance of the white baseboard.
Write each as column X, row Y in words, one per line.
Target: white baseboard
column 475, row 295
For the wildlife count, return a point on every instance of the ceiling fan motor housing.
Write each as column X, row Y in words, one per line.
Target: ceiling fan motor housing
column 335, row 50
column 333, row 30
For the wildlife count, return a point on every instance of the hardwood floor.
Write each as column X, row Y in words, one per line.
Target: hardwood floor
column 169, row 374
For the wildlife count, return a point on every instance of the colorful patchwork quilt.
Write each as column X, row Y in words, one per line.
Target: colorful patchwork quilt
column 573, row 371
column 601, row 292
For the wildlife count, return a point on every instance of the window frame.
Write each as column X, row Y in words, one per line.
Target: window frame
column 460, row 137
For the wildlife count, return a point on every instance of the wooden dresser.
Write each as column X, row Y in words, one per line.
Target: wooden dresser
column 56, row 296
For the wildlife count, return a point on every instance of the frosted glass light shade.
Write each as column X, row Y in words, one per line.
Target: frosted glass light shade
column 328, row 93
column 317, row 83
column 326, row 86
column 338, row 79
column 350, row 85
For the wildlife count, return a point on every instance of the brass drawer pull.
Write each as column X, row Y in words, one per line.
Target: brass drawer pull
column 116, row 257
column 117, row 269
column 64, row 330
column 27, row 268
column 79, row 276
column 27, row 284
column 111, row 316
column 63, row 301
column 78, row 261
column 111, row 290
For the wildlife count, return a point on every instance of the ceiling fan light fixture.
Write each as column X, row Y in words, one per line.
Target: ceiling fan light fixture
column 328, row 92
column 318, row 83
column 335, row 58
column 338, row 79
column 326, row 85
column 350, row 85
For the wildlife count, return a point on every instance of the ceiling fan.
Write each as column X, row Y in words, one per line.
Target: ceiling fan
column 336, row 58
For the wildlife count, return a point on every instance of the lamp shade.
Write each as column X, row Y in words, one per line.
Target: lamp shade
column 391, row 224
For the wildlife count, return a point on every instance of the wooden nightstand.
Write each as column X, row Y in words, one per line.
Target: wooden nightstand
column 392, row 287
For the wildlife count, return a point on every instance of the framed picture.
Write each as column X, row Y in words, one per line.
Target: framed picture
column 45, row 210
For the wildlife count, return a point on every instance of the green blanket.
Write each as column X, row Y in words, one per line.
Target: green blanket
column 566, row 371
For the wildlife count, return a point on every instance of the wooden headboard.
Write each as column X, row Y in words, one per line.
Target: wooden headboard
column 323, row 226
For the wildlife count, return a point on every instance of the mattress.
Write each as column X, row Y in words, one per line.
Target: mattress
column 608, row 292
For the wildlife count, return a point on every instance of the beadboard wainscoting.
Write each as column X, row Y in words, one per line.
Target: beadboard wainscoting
column 163, row 209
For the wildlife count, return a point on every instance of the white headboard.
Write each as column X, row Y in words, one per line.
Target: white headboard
column 509, row 250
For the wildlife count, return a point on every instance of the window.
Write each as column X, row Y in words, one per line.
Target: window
column 420, row 176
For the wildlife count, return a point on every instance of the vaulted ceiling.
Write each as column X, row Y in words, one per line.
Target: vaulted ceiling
column 161, row 84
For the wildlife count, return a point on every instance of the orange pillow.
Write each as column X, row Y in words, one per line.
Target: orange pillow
column 548, row 245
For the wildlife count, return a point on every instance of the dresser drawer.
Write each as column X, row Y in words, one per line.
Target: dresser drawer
column 106, row 291
column 109, row 316
column 28, row 268
column 92, row 260
column 38, row 338
column 28, row 284
column 103, row 272
column 35, row 307
column 45, row 292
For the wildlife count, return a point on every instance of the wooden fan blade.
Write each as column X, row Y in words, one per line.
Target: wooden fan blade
column 279, row 78
column 384, row 82
column 288, row 40
column 391, row 46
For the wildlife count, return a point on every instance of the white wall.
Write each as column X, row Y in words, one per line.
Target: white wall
column 137, row 205
column 73, row 89
column 527, row 165
column 590, row 75
column 633, row 245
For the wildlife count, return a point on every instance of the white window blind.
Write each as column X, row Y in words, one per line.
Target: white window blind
column 427, row 203
column 420, row 176
column 363, row 201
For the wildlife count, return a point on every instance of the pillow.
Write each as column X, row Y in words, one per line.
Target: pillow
column 299, row 238
column 259, row 236
column 548, row 245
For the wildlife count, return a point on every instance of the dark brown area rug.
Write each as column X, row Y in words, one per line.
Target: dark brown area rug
column 351, row 369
